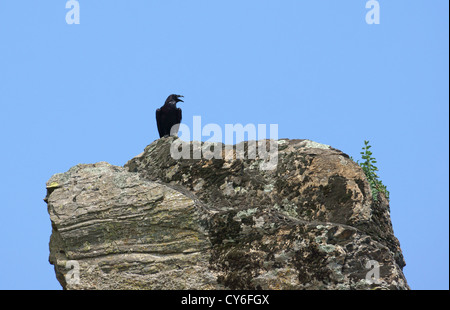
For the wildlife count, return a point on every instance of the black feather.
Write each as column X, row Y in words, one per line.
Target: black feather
column 168, row 117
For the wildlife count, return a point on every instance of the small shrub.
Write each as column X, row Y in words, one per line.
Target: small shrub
column 368, row 165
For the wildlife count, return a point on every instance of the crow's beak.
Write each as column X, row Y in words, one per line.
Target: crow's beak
column 180, row 99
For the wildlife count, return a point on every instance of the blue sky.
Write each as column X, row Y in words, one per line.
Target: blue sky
column 85, row 93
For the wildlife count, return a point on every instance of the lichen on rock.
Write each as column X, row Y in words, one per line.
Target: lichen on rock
column 161, row 223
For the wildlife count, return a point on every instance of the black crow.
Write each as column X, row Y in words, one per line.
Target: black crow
column 169, row 116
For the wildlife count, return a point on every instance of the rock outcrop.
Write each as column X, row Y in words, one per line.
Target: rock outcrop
column 161, row 223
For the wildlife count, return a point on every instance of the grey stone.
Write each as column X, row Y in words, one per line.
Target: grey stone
column 161, row 223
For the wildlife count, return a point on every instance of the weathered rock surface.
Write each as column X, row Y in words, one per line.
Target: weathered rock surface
column 161, row 223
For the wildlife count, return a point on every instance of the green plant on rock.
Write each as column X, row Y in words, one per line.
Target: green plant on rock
column 369, row 168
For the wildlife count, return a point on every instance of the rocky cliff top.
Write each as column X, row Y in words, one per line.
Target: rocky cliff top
column 162, row 223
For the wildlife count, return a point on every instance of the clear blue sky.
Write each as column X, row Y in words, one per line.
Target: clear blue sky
column 85, row 93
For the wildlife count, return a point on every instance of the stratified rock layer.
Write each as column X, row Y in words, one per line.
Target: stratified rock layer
column 161, row 223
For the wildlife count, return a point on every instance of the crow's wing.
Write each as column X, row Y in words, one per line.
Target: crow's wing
column 178, row 115
column 158, row 122
column 176, row 124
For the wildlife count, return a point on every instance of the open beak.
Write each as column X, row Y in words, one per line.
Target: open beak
column 180, row 99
